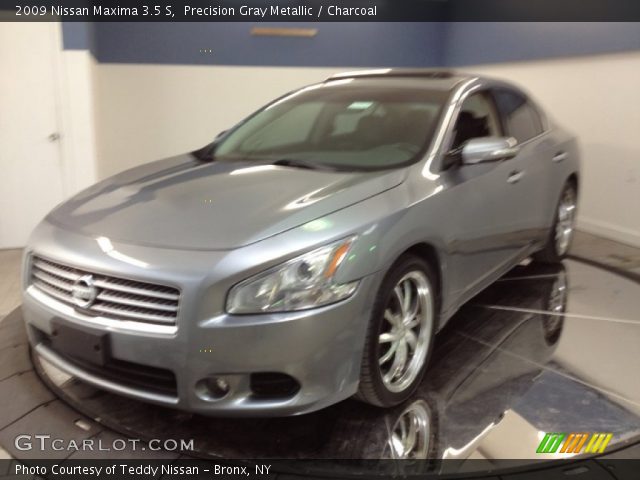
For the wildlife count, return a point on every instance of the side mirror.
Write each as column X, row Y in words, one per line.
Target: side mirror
column 489, row 149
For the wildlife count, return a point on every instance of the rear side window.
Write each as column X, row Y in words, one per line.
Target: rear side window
column 520, row 118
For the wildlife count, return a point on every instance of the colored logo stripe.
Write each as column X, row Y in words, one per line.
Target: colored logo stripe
column 598, row 442
column 574, row 442
column 550, row 443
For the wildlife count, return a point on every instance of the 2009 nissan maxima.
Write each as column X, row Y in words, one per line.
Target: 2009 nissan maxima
column 310, row 253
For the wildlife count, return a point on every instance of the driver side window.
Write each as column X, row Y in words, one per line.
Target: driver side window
column 477, row 118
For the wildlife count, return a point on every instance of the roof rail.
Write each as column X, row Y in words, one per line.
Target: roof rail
column 394, row 72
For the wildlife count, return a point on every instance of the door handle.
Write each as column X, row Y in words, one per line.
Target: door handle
column 560, row 156
column 515, row 177
column 54, row 137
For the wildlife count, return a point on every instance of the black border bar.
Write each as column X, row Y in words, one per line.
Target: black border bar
column 591, row 469
column 322, row 10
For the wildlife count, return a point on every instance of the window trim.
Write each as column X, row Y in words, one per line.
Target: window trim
column 487, row 93
column 540, row 121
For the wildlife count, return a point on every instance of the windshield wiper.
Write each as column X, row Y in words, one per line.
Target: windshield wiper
column 298, row 163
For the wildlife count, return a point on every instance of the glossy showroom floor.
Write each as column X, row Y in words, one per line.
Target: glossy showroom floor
column 545, row 349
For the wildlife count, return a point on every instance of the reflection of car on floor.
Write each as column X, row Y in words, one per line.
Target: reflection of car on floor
column 487, row 360
column 307, row 255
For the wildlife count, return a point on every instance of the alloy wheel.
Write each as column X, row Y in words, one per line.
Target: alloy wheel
column 553, row 320
column 409, row 437
column 406, row 331
column 558, row 296
column 565, row 222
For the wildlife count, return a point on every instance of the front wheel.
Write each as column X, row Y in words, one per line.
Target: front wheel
column 400, row 334
column 560, row 236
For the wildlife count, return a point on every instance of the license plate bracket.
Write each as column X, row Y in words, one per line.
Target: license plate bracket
column 81, row 343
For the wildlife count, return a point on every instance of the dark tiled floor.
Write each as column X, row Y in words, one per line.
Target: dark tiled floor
column 525, row 357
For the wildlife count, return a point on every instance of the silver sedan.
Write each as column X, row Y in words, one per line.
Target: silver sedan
column 310, row 253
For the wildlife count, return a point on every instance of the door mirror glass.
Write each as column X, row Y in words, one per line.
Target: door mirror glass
column 489, row 149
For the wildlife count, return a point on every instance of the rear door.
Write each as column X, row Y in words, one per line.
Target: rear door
column 481, row 201
column 529, row 170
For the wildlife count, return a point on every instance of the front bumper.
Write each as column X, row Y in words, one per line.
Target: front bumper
column 320, row 348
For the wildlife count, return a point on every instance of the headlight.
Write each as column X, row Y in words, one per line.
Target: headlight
column 305, row 282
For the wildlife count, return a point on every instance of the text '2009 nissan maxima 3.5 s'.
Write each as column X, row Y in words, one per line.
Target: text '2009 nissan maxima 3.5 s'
column 309, row 254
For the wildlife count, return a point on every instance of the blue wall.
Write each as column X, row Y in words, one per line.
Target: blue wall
column 78, row 36
column 337, row 44
column 349, row 44
column 473, row 43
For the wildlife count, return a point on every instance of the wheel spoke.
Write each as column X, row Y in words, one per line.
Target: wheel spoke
column 396, row 446
column 400, row 359
column 400, row 297
column 406, row 305
column 386, row 338
column 413, row 323
column 403, row 429
column 391, row 318
column 413, row 311
column 411, row 339
column 563, row 214
column 390, row 353
column 412, row 435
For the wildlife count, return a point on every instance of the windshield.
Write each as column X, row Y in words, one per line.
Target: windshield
column 344, row 127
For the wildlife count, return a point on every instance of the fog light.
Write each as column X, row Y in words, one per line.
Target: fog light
column 213, row 388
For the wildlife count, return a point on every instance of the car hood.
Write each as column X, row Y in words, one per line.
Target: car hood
column 184, row 203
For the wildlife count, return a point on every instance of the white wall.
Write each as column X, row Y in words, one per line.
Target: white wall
column 596, row 97
column 147, row 112
column 77, row 116
column 48, row 145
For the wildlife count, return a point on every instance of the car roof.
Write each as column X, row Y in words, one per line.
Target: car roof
column 434, row 78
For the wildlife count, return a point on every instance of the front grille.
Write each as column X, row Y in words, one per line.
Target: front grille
column 116, row 298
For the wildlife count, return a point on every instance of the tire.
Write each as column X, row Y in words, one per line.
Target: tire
column 556, row 305
column 373, row 429
column 400, row 326
column 557, row 245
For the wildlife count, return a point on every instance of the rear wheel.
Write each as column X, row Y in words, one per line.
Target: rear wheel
column 561, row 234
column 400, row 334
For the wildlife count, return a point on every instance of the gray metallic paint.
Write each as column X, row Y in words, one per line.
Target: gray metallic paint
column 203, row 228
